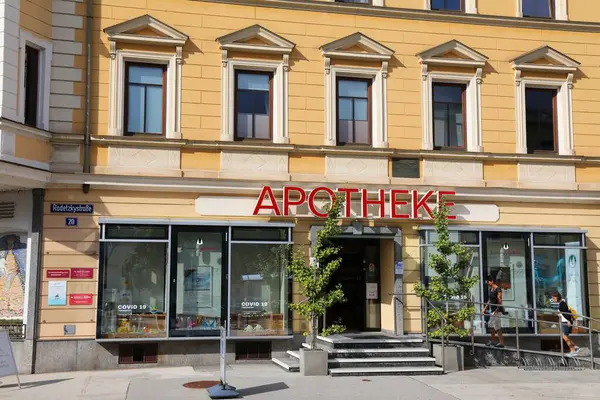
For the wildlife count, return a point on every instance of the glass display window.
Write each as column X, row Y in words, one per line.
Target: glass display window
column 132, row 300
column 260, row 283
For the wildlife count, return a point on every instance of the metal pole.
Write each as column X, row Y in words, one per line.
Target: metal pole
column 426, row 328
column 517, row 330
column 591, row 345
column 473, row 334
column 443, row 348
column 18, row 380
column 562, row 350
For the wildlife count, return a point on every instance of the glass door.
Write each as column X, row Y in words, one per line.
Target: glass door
column 198, row 281
column 507, row 257
column 373, row 288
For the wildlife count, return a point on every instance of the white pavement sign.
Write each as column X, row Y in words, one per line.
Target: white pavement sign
column 8, row 366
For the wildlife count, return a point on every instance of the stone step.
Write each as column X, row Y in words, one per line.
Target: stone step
column 341, row 342
column 364, row 353
column 381, row 362
column 377, row 371
column 289, row 364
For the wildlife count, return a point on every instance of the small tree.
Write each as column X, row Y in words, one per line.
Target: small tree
column 449, row 282
column 314, row 277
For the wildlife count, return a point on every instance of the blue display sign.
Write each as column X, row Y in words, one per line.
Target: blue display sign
column 72, row 208
column 71, row 221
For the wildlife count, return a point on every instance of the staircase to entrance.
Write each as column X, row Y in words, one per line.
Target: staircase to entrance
column 369, row 355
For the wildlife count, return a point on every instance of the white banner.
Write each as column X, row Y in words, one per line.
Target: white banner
column 573, row 277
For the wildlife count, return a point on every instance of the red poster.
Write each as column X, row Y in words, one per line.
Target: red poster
column 82, row 273
column 58, row 273
column 78, row 299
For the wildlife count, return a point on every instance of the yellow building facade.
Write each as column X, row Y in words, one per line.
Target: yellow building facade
column 156, row 129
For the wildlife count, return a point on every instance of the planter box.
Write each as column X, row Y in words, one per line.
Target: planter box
column 455, row 357
column 313, row 362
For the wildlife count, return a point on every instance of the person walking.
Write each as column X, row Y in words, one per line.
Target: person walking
column 567, row 322
column 495, row 306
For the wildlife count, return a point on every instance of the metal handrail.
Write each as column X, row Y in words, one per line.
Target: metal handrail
column 444, row 321
column 428, row 302
column 535, row 310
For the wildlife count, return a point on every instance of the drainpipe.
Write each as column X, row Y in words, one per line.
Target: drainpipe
column 88, row 83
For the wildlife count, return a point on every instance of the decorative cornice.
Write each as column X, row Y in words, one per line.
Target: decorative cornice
column 563, row 62
column 473, row 57
column 274, row 43
column 375, row 50
column 419, row 15
column 253, row 187
column 325, row 150
column 24, row 130
column 126, row 32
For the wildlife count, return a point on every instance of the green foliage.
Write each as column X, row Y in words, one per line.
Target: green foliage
column 333, row 329
column 314, row 277
column 449, row 282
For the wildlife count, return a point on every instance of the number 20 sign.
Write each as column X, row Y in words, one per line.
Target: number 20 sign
column 71, row 221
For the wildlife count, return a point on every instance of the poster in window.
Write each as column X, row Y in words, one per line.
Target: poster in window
column 504, row 279
column 13, row 260
column 573, row 277
column 198, row 289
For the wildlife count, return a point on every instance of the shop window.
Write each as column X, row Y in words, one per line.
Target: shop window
column 157, row 232
column 254, row 99
column 558, row 239
column 145, row 98
column 465, row 237
column 558, row 267
column 538, row 8
column 260, row 287
column 132, row 295
column 198, row 295
column 541, row 122
column 261, row 234
column 253, row 350
column 447, row 5
column 354, row 105
column 507, row 258
column 449, row 116
column 406, row 168
column 138, row 353
column 471, row 240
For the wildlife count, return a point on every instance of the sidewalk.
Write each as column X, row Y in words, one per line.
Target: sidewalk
column 265, row 381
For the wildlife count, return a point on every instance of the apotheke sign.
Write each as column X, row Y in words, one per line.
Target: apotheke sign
column 418, row 205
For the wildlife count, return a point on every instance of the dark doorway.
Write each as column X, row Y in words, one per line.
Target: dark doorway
column 358, row 273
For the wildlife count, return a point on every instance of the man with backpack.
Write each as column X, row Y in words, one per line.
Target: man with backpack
column 567, row 317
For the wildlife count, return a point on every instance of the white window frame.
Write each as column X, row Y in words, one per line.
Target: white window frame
column 564, row 109
column 280, row 95
column 560, row 10
column 470, row 6
column 116, row 126
column 44, row 68
column 473, row 106
column 378, row 77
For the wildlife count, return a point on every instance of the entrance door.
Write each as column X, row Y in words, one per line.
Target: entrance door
column 358, row 274
column 198, row 284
